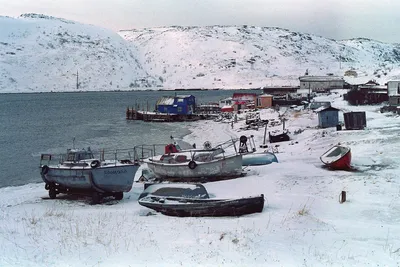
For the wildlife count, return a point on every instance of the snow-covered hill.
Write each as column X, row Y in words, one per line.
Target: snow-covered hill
column 43, row 53
column 246, row 56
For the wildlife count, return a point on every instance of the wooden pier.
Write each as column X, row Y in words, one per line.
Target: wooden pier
column 133, row 114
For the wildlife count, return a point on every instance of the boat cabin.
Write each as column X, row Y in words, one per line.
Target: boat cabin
column 78, row 155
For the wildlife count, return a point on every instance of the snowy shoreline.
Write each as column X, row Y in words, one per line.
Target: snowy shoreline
column 302, row 224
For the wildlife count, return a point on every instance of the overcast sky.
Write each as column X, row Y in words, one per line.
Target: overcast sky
column 337, row 19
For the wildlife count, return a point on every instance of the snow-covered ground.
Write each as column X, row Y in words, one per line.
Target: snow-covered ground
column 302, row 224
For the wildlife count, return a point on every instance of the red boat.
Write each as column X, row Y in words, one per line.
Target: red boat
column 337, row 158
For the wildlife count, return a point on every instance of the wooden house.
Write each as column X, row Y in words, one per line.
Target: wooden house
column 280, row 90
column 393, row 89
column 355, row 120
column 244, row 100
column 225, row 102
column 328, row 117
column 180, row 104
column 367, row 94
column 264, row 101
column 321, row 83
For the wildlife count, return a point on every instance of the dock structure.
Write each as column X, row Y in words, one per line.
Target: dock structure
column 133, row 114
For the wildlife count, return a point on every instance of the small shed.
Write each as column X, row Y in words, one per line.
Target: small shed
column 264, row 101
column 328, row 117
column 355, row 120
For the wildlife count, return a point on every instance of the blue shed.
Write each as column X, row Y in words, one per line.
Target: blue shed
column 328, row 117
column 180, row 104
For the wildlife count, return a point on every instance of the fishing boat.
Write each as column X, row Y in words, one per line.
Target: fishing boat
column 195, row 164
column 210, row 163
column 192, row 200
column 337, row 157
column 79, row 171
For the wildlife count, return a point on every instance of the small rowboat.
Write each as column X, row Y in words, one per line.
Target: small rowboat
column 337, row 158
column 193, row 200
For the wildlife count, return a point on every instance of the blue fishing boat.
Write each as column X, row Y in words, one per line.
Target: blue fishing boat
column 79, row 171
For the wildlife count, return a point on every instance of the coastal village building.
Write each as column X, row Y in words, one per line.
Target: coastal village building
column 366, row 94
column 328, row 117
column 225, row 102
column 321, row 83
column 393, row 89
column 280, row 90
column 264, row 101
column 355, row 120
column 180, row 104
column 244, row 100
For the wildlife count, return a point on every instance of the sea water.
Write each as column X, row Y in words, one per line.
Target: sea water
column 36, row 123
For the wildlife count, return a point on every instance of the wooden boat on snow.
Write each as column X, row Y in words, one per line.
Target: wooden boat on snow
column 223, row 161
column 337, row 157
column 79, row 171
column 195, row 164
column 192, row 200
column 282, row 137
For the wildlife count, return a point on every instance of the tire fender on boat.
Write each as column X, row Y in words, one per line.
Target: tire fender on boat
column 45, row 169
column 192, row 165
column 94, row 164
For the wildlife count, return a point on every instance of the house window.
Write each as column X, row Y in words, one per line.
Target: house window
column 258, row 102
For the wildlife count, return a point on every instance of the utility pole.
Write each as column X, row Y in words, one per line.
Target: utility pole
column 77, row 80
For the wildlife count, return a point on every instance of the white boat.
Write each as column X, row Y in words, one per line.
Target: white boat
column 196, row 164
column 79, row 171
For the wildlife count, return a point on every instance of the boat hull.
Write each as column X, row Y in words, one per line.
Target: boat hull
column 254, row 159
column 337, row 158
column 187, row 207
column 220, row 167
column 117, row 178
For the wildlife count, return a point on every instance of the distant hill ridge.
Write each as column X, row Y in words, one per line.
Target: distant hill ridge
column 44, row 53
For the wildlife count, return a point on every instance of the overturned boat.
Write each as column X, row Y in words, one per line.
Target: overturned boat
column 79, row 171
column 259, row 158
column 281, row 137
column 337, row 157
column 192, row 200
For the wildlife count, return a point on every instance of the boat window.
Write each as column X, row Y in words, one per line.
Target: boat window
column 71, row 157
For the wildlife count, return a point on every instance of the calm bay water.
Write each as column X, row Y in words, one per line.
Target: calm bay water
column 31, row 124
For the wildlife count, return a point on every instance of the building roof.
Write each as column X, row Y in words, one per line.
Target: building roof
column 244, row 96
column 166, row 100
column 283, row 88
column 265, row 95
column 320, row 78
column 323, row 108
column 184, row 96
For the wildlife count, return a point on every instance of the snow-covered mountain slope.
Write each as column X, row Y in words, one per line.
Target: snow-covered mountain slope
column 43, row 53
column 246, row 56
